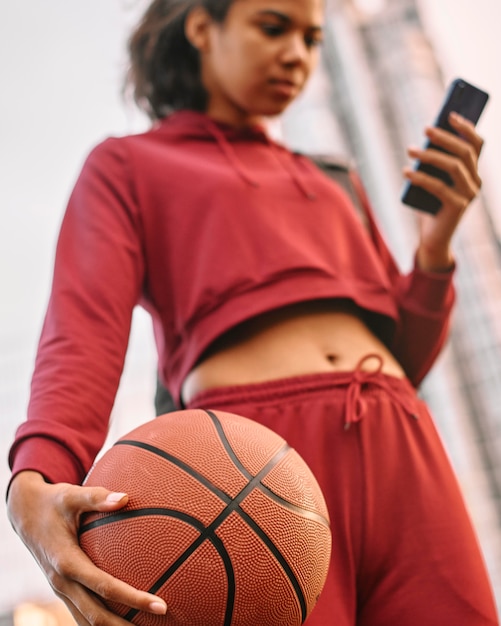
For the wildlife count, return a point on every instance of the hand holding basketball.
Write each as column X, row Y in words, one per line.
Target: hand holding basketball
column 224, row 520
column 48, row 526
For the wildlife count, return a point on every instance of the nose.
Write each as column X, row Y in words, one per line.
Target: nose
column 295, row 51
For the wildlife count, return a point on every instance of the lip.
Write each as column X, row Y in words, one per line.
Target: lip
column 284, row 87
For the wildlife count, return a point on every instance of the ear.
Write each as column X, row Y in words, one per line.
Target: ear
column 196, row 28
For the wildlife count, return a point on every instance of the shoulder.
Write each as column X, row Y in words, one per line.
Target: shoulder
column 129, row 153
column 343, row 172
column 338, row 168
column 119, row 146
column 331, row 164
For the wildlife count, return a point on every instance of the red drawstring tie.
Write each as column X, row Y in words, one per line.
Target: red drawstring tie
column 356, row 405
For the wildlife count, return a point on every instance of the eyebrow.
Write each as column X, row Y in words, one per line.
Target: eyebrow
column 285, row 19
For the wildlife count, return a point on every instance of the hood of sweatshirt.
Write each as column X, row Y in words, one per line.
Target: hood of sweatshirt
column 194, row 125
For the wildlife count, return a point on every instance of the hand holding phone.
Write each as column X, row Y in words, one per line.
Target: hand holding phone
column 465, row 99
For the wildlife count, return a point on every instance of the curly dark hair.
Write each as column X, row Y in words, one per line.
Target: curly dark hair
column 164, row 71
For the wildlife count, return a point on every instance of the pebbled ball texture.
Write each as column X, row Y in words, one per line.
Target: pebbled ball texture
column 225, row 521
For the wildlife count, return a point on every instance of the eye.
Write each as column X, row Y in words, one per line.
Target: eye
column 312, row 41
column 272, row 30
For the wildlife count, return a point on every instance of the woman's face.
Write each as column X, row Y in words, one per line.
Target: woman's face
column 258, row 60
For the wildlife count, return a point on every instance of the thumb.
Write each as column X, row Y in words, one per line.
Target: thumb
column 101, row 499
column 116, row 500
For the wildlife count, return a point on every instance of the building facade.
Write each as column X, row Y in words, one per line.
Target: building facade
column 378, row 86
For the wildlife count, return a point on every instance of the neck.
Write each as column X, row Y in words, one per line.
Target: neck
column 236, row 119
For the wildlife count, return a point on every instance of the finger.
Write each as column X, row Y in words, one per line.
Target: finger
column 454, row 144
column 466, row 182
column 72, row 564
column 446, row 194
column 459, row 150
column 75, row 499
column 77, row 566
column 467, row 130
column 87, row 610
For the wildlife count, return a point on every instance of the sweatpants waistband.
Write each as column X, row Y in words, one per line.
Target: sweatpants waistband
column 351, row 386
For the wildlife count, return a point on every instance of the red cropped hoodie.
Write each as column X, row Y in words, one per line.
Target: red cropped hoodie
column 205, row 226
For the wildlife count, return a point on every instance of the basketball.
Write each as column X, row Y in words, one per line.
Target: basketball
column 225, row 522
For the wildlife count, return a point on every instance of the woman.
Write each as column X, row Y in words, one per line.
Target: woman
column 269, row 298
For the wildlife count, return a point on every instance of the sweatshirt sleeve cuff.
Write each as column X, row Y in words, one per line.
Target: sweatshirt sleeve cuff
column 432, row 291
column 49, row 458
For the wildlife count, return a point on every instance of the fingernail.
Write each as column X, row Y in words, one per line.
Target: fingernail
column 115, row 497
column 159, row 608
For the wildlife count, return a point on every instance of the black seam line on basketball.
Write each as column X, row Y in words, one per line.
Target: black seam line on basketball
column 304, row 513
column 181, row 464
column 120, row 516
column 214, row 539
column 209, row 532
column 280, row 558
column 227, row 445
column 296, row 509
column 228, row 566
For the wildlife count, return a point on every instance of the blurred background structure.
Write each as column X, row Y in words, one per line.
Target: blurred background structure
column 383, row 74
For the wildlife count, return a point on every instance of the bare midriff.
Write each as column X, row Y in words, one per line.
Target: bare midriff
column 308, row 338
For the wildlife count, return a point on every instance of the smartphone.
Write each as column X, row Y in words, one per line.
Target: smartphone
column 465, row 99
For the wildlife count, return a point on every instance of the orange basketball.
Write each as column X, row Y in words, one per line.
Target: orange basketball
column 225, row 521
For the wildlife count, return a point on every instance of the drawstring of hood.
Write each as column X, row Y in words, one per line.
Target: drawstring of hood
column 356, row 406
column 293, row 173
column 229, row 152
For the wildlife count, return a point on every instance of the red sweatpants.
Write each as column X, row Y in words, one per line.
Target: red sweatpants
column 404, row 552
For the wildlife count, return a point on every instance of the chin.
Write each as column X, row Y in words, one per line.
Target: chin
column 268, row 109
column 276, row 108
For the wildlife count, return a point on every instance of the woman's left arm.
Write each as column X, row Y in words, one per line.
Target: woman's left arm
column 426, row 295
column 434, row 252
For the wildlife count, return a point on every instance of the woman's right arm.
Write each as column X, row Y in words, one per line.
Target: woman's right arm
column 98, row 278
column 47, row 517
column 97, row 281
